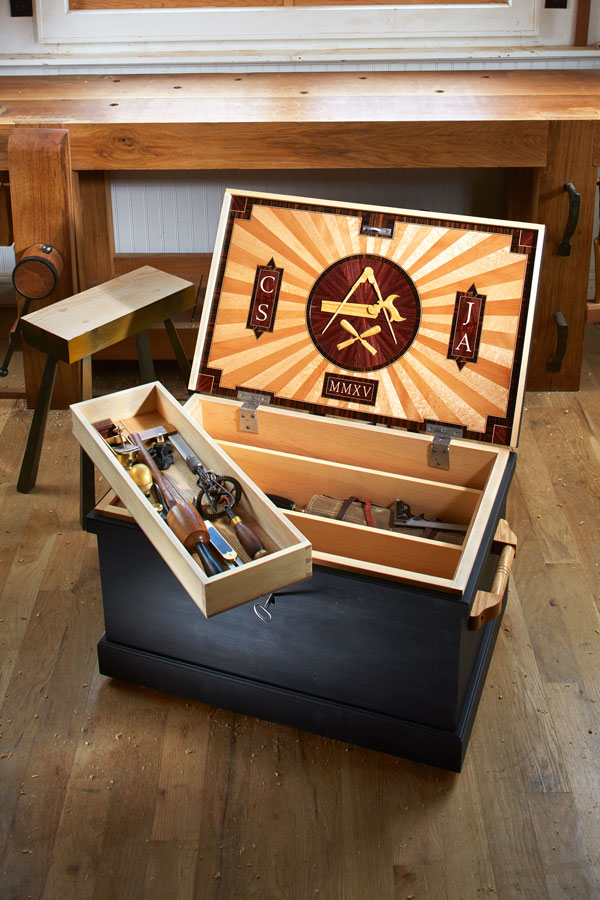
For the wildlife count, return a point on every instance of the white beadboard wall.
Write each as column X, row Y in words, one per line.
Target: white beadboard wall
column 179, row 212
column 157, row 212
column 7, row 261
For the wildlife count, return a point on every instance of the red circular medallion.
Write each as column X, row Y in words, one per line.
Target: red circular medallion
column 363, row 312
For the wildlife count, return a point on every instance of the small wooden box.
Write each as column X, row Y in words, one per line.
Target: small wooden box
column 288, row 557
column 364, row 352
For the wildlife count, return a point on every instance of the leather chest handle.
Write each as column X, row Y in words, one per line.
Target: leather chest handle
column 488, row 604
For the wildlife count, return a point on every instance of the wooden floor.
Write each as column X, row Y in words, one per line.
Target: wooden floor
column 109, row 791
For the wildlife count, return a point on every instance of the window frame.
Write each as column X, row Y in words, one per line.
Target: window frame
column 293, row 32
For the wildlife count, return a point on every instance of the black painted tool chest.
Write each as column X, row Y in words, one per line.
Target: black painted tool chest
column 418, row 397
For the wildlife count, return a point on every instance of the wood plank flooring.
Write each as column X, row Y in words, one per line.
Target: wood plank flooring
column 110, row 791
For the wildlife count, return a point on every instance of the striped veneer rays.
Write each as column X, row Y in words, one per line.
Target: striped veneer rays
column 442, row 261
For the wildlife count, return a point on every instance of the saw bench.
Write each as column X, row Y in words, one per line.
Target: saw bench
column 74, row 328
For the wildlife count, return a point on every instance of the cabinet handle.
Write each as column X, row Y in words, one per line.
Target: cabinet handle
column 564, row 248
column 488, row 604
column 562, row 335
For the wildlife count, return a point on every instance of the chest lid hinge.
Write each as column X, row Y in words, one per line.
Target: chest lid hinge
column 439, row 451
column 248, row 409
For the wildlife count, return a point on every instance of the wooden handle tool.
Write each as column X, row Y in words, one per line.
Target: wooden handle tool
column 182, row 517
column 247, row 538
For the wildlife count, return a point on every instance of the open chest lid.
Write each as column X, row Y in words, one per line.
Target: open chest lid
column 393, row 316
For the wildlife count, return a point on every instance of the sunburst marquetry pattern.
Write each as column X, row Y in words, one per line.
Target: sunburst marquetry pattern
column 423, row 384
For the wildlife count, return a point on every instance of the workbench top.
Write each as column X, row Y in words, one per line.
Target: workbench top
column 342, row 119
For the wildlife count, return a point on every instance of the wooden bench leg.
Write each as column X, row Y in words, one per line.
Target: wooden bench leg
column 31, row 458
column 14, row 339
column 182, row 360
column 39, row 161
column 147, row 372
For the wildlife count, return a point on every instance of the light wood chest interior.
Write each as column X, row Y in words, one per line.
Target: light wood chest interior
column 298, row 455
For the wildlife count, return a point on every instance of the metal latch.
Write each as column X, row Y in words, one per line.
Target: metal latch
column 248, row 414
column 377, row 231
column 439, row 451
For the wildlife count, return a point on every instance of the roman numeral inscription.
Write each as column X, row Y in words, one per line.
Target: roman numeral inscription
column 466, row 327
column 263, row 302
column 354, row 390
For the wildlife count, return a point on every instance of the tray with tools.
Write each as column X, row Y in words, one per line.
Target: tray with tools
column 124, row 433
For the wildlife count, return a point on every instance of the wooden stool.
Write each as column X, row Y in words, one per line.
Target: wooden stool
column 72, row 329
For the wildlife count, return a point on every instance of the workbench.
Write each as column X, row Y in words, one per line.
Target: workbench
column 543, row 127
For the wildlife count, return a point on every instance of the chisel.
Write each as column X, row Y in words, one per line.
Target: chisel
column 182, row 518
column 222, row 546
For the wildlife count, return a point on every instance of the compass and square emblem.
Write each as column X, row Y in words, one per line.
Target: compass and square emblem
column 363, row 312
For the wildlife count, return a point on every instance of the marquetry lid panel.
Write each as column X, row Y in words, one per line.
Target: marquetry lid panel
column 392, row 316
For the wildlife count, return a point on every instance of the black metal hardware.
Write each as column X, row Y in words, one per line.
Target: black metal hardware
column 21, row 8
column 562, row 335
column 564, row 247
column 162, row 454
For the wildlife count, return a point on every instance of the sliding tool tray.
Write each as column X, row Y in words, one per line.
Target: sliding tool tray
column 351, row 352
column 148, row 408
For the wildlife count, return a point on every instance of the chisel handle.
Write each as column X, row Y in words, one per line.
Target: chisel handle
column 186, row 524
column 157, row 477
column 247, row 538
column 183, row 518
column 249, row 541
column 212, row 565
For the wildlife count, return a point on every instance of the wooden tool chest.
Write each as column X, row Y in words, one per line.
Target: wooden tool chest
column 352, row 352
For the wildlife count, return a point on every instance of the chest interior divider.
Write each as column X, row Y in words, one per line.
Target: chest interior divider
column 345, row 441
column 296, row 456
column 299, row 477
